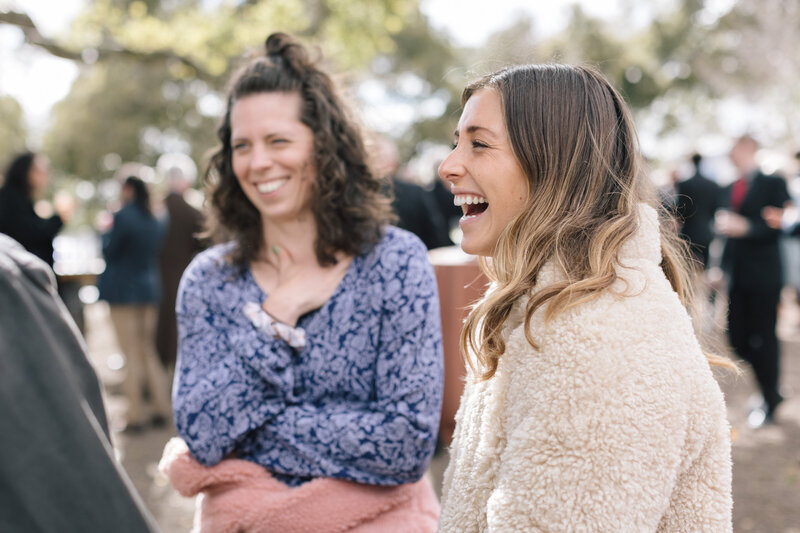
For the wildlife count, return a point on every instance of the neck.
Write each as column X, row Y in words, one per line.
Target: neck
column 748, row 171
column 296, row 236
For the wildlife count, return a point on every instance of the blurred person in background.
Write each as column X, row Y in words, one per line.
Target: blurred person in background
column 752, row 260
column 414, row 206
column 26, row 179
column 130, row 285
column 181, row 244
column 696, row 203
column 309, row 378
column 58, row 470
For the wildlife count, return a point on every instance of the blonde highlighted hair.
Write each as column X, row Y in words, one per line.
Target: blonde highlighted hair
column 574, row 139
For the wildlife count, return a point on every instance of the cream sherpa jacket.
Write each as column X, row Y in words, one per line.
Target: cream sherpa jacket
column 615, row 424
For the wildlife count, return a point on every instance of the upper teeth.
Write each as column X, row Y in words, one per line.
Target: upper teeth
column 461, row 199
column 270, row 186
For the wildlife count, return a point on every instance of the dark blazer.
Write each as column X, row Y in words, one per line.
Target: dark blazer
column 754, row 261
column 697, row 201
column 58, row 468
column 444, row 201
column 131, row 250
column 19, row 221
column 417, row 212
column 179, row 247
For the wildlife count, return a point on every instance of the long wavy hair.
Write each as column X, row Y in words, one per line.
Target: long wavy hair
column 575, row 140
column 349, row 207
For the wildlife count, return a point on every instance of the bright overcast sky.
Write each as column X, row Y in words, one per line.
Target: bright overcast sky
column 37, row 80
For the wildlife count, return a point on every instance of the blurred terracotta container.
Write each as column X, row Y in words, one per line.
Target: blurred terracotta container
column 461, row 284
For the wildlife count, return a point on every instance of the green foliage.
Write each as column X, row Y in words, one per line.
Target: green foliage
column 151, row 67
column 129, row 109
column 151, row 64
column 12, row 131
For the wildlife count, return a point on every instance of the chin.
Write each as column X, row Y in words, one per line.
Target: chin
column 475, row 248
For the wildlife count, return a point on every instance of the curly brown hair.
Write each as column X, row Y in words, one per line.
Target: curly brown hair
column 349, row 203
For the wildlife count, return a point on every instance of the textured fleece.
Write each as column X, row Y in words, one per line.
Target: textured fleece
column 615, row 423
column 241, row 496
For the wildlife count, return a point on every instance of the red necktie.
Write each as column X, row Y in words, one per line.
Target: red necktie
column 738, row 192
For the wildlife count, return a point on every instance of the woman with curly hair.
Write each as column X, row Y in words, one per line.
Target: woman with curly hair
column 309, row 375
column 589, row 404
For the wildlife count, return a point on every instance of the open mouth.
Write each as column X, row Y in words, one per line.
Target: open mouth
column 470, row 204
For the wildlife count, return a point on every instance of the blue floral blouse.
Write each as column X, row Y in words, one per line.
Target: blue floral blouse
column 361, row 401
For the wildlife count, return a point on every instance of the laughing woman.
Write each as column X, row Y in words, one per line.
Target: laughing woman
column 589, row 404
column 309, row 374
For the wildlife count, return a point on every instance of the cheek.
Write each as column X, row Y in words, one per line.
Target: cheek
column 238, row 166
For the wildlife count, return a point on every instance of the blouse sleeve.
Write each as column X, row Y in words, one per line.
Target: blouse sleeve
column 227, row 383
column 390, row 440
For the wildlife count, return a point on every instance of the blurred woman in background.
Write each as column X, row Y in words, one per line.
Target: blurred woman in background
column 26, row 179
column 130, row 285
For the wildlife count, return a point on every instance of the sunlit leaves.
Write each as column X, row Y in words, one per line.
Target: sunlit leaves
column 12, row 130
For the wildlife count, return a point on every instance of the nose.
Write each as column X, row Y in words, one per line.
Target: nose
column 262, row 159
column 451, row 168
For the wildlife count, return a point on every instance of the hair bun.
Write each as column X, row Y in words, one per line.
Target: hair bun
column 288, row 53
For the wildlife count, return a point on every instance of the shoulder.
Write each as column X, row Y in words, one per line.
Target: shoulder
column 212, row 262
column 641, row 336
column 699, row 181
column 127, row 212
column 127, row 217
column 686, row 184
column 397, row 248
column 398, row 267
column 17, row 264
column 207, row 280
column 771, row 180
column 632, row 359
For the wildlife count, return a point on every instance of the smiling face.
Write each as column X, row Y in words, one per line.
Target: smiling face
column 485, row 177
column 272, row 155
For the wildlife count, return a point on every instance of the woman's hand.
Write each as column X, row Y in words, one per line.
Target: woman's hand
column 301, row 287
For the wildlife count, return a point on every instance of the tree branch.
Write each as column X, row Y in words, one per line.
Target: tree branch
column 108, row 51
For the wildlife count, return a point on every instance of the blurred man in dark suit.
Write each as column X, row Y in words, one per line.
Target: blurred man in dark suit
column 753, row 261
column 696, row 203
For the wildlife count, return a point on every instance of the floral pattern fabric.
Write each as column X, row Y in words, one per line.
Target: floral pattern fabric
column 360, row 401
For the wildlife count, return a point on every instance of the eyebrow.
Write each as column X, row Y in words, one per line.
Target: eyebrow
column 267, row 136
column 473, row 129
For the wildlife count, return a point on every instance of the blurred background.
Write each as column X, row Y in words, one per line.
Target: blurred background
column 104, row 88
column 97, row 83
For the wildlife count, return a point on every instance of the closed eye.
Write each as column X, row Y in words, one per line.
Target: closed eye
column 478, row 144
